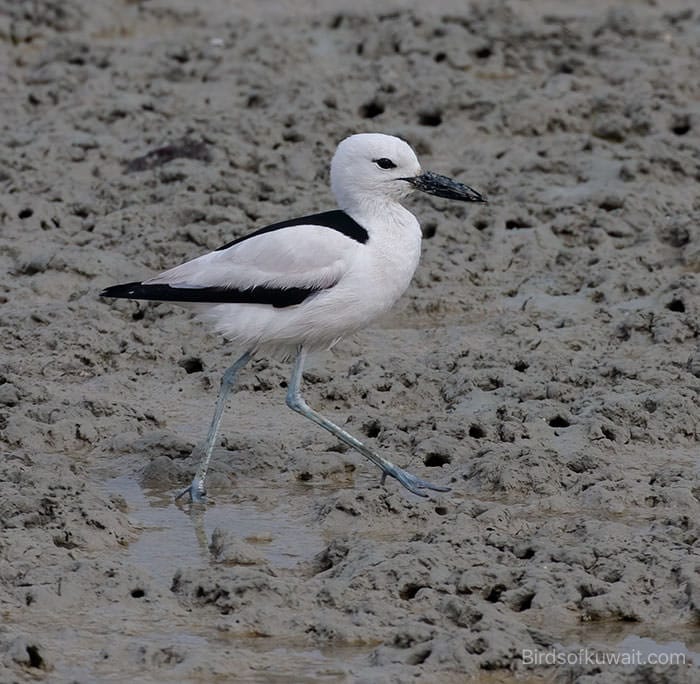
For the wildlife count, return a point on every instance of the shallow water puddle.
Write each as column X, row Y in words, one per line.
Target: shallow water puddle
column 172, row 537
column 667, row 651
column 679, row 645
column 267, row 661
column 303, row 664
column 640, row 639
column 171, row 534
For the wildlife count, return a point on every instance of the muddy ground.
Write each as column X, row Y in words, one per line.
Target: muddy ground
column 545, row 362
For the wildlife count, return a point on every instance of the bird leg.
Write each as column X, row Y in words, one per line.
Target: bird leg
column 197, row 490
column 296, row 402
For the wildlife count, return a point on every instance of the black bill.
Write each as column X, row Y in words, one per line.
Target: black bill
column 442, row 186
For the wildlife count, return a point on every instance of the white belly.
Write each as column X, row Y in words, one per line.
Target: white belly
column 377, row 277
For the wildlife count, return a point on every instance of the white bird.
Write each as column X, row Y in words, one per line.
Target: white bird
column 304, row 283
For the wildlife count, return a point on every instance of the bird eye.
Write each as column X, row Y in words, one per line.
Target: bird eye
column 384, row 163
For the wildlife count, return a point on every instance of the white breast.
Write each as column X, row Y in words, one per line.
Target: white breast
column 377, row 274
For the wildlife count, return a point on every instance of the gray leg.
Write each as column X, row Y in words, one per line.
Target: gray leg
column 296, row 402
column 196, row 490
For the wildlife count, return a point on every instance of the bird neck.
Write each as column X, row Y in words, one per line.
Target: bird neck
column 370, row 210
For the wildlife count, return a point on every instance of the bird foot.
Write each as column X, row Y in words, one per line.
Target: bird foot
column 411, row 482
column 197, row 492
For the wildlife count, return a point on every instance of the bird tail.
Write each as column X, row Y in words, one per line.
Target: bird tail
column 138, row 290
column 279, row 298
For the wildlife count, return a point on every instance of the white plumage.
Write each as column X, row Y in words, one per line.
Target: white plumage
column 304, row 283
column 348, row 276
column 358, row 282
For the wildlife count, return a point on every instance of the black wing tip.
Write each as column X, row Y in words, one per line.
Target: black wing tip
column 279, row 298
column 124, row 291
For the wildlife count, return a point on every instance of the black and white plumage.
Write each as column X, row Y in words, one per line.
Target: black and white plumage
column 304, row 283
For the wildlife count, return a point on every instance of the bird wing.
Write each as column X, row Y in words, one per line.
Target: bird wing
column 301, row 256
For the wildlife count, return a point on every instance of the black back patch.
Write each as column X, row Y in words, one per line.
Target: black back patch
column 271, row 296
column 335, row 220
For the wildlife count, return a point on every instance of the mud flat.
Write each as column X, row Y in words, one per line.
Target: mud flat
column 544, row 362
